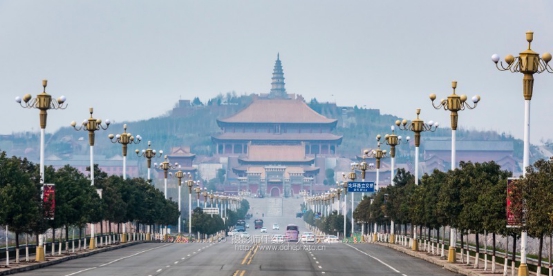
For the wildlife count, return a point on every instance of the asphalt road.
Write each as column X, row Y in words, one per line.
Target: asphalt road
column 232, row 258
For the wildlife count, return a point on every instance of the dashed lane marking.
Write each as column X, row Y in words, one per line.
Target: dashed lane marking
column 158, row 270
column 375, row 258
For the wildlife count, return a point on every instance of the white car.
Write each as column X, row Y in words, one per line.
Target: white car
column 247, row 225
column 276, row 227
column 307, row 237
column 331, row 239
column 278, row 239
column 244, row 235
column 263, row 230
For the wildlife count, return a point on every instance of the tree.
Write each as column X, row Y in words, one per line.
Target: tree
column 197, row 102
column 19, row 196
column 329, row 174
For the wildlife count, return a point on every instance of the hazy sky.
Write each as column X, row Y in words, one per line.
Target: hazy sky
column 133, row 60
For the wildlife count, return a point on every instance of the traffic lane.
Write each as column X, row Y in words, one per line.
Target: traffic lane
column 218, row 260
column 401, row 262
column 268, row 259
column 140, row 259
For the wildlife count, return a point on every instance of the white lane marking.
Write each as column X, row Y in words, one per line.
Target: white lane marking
column 167, row 266
column 188, row 255
column 158, row 270
column 81, row 271
column 323, row 272
column 317, row 261
column 314, row 258
column 182, row 258
column 377, row 259
column 320, row 267
column 176, row 262
column 116, row 260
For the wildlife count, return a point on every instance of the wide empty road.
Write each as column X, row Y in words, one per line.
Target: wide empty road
column 243, row 258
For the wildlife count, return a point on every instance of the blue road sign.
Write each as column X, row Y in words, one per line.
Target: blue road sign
column 360, row 186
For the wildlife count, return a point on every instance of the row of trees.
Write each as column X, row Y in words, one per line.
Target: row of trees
column 76, row 201
column 210, row 224
column 328, row 224
column 471, row 198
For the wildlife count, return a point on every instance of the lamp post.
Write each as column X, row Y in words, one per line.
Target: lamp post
column 190, row 184
column 124, row 139
column 528, row 63
column 43, row 102
column 165, row 166
column 91, row 125
column 417, row 126
column 454, row 103
column 345, row 187
column 179, row 174
column 198, row 190
column 148, row 154
column 205, row 195
column 352, row 176
column 393, row 140
column 363, row 168
column 378, row 154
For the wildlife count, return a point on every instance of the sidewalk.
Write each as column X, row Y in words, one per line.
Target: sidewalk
column 51, row 260
column 458, row 267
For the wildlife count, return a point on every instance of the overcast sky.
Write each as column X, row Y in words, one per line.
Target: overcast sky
column 134, row 60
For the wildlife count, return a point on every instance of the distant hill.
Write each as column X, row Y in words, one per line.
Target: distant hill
column 193, row 123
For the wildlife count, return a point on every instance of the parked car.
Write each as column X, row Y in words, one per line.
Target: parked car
column 299, row 215
column 307, row 237
column 331, row 239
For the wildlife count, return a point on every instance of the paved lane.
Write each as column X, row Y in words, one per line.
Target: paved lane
column 245, row 258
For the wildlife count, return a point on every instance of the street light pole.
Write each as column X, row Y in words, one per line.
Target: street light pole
column 528, row 63
column 393, row 140
column 91, row 126
column 190, row 184
column 352, row 176
column 378, row 154
column 417, row 126
column 179, row 174
column 124, row 139
column 165, row 166
column 43, row 102
column 148, row 154
column 454, row 104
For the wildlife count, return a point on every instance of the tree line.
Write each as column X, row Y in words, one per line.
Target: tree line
column 472, row 198
column 76, row 201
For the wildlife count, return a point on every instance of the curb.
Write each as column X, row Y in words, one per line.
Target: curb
column 57, row 260
column 453, row 267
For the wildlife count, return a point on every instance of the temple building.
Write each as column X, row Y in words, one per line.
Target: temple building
column 273, row 144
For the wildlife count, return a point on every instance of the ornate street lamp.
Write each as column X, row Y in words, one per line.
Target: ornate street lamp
column 378, row 154
column 454, row 103
column 352, row 176
column 528, row 63
column 198, row 190
column 417, row 126
column 91, row 125
column 124, row 139
column 190, row 184
column 43, row 102
column 205, row 195
column 179, row 175
column 393, row 140
column 148, row 154
column 165, row 166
